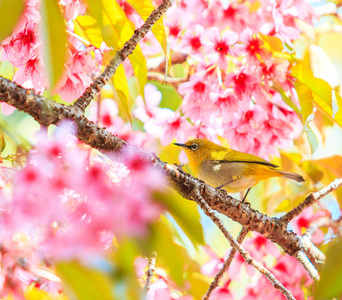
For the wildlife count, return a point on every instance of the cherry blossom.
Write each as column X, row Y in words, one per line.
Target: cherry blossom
column 220, row 46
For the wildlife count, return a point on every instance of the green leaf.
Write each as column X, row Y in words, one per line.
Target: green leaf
column 83, row 282
column 329, row 286
column 10, row 12
column 2, row 142
column 171, row 98
column 305, row 99
column 186, row 215
column 127, row 286
column 16, row 138
column 170, row 255
column 287, row 99
column 144, row 9
column 313, row 141
column 55, row 40
column 122, row 89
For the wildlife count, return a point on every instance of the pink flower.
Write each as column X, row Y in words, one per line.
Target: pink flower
column 293, row 277
column 7, row 109
column 32, row 76
column 73, row 8
column 223, row 292
column 262, row 247
column 236, row 16
column 220, row 47
column 243, row 82
column 252, row 46
column 99, row 52
column 159, row 290
column 140, row 265
column 285, row 33
column 235, row 268
column 81, row 61
column 72, row 85
column 150, row 113
column 197, row 103
column 226, row 103
column 193, row 42
column 197, row 89
column 273, row 69
column 20, row 48
column 302, row 222
column 175, row 128
column 214, row 265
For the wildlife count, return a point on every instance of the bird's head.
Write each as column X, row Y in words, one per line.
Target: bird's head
column 198, row 150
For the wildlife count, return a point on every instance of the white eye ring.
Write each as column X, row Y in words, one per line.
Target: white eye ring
column 194, row 147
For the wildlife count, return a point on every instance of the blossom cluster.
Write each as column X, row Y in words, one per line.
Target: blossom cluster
column 237, row 73
column 237, row 70
column 24, row 50
column 71, row 208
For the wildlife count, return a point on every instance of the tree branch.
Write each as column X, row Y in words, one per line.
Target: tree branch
column 89, row 94
column 47, row 112
column 195, row 195
column 150, row 271
column 226, row 264
column 311, row 199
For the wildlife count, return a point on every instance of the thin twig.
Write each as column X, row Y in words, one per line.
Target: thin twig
column 226, row 264
column 161, row 78
column 308, row 266
column 150, row 271
column 89, row 94
column 245, row 254
column 309, row 247
column 316, row 255
column 321, row 222
column 311, row 199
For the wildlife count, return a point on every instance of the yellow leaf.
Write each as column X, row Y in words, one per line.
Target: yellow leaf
column 144, row 9
column 121, row 87
column 273, row 43
column 305, row 99
column 338, row 115
column 88, row 28
column 321, row 90
column 117, row 30
column 96, row 10
column 318, row 86
column 55, row 39
column 10, row 12
column 138, row 62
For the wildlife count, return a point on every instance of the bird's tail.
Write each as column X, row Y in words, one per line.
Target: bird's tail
column 292, row 176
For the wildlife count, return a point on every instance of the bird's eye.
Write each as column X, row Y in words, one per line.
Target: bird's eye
column 194, row 147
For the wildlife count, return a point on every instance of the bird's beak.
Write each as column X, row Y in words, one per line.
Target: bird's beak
column 181, row 145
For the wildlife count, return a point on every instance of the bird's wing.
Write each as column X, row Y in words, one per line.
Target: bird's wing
column 236, row 156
